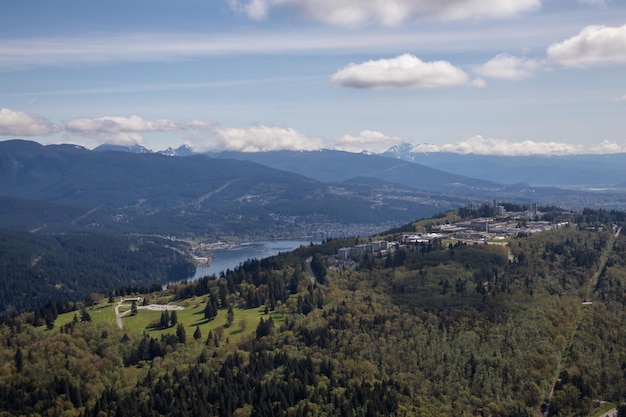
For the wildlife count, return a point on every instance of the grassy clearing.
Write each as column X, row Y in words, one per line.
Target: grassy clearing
column 244, row 324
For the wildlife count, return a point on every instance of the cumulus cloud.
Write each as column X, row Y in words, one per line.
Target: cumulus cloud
column 259, row 138
column 15, row 123
column 508, row 67
column 355, row 13
column 594, row 45
column 367, row 140
column 126, row 130
column 403, row 71
column 480, row 145
column 607, row 147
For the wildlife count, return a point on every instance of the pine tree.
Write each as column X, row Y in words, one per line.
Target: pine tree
column 230, row 317
column 165, row 319
column 19, row 360
column 197, row 335
column 181, row 334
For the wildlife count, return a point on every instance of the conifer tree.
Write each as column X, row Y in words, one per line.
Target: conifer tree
column 181, row 334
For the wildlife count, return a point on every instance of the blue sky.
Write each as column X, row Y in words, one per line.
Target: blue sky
column 482, row 76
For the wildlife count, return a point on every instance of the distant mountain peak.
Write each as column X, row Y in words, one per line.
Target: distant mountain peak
column 122, row 148
column 403, row 151
column 182, row 150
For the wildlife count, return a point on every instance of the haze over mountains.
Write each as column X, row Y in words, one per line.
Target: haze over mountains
column 61, row 188
column 569, row 170
column 69, row 188
column 563, row 170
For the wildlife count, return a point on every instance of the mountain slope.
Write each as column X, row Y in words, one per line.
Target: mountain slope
column 330, row 166
column 567, row 170
column 152, row 193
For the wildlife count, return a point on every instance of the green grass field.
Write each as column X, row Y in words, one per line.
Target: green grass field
column 244, row 324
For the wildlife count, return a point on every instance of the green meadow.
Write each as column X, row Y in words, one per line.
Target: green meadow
column 146, row 321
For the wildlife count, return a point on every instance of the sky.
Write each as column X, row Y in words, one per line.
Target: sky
column 505, row 77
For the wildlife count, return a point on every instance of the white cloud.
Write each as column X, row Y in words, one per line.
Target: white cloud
column 594, row 45
column 478, row 83
column 403, row 71
column 355, row 13
column 259, row 138
column 126, row 130
column 508, row 67
column 367, row 140
column 489, row 146
column 15, row 123
column 607, row 147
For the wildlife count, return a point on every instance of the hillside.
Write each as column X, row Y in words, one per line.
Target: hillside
column 537, row 170
column 125, row 192
column 443, row 330
column 466, row 177
column 337, row 166
column 63, row 269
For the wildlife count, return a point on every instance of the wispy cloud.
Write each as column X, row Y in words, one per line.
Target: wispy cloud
column 15, row 123
column 350, row 13
column 594, row 45
column 104, row 49
column 403, row 71
column 143, row 88
column 594, row 2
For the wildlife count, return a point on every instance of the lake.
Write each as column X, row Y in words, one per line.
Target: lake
column 224, row 259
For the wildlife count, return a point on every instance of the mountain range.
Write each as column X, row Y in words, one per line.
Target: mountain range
column 538, row 170
column 61, row 188
column 68, row 188
column 581, row 170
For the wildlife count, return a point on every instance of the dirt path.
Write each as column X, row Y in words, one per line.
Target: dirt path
column 118, row 316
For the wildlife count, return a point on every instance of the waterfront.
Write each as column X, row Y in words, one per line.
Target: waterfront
column 223, row 259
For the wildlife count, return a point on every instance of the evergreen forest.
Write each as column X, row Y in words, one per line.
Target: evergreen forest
column 531, row 326
column 64, row 269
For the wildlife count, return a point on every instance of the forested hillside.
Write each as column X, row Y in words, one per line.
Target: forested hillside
column 36, row 269
column 443, row 330
column 69, row 189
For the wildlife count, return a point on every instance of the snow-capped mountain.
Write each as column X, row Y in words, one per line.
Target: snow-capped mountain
column 122, row 148
column 403, row 151
column 182, row 150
